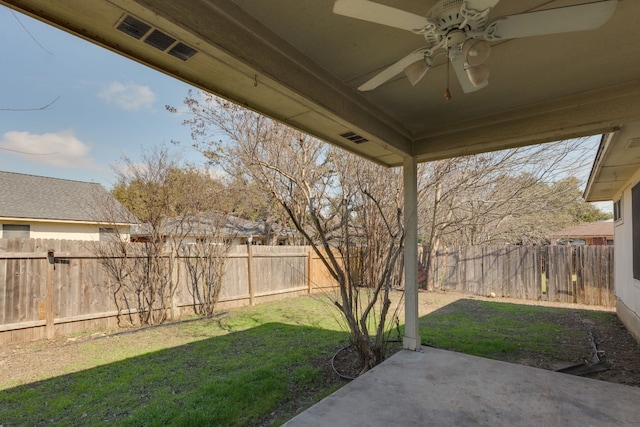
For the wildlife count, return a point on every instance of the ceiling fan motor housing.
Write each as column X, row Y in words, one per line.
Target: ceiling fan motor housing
column 447, row 15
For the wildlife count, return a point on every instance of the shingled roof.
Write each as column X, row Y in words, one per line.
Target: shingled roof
column 206, row 224
column 591, row 229
column 41, row 197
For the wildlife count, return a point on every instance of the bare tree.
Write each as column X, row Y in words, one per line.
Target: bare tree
column 167, row 196
column 153, row 192
column 372, row 218
column 347, row 209
column 250, row 200
column 515, row 196
column 118, row 255
column 206, row 258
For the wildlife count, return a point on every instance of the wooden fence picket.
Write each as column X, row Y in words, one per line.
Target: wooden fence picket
column 38, row 298
column 572, row 274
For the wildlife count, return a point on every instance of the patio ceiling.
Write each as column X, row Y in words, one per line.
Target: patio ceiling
column 298, row 62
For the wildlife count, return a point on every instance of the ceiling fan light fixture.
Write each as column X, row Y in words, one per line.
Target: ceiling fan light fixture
column 417, row 70
column 478, row 75
column 475, row 51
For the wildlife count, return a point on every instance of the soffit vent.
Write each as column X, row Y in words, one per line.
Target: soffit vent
column 134, row 27
column 182, row 51
column 354, row 137
column 142, row 31
column 633, row 143
column 159, row 40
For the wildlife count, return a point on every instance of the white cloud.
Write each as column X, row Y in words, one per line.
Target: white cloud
column 60, row 149
column 128, row 96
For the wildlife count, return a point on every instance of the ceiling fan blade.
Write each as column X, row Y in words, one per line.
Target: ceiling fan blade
column 457, row 62
column 380, row 14
column 588, row 16
column 393, row 70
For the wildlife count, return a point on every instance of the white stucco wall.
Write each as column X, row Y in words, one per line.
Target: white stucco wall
column 66, row 231
column 627, row 288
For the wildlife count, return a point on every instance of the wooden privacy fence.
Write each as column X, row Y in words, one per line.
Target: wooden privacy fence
column 573, row 274
column 50, row 287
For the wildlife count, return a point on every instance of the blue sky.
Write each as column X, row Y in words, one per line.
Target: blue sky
column 107, row 106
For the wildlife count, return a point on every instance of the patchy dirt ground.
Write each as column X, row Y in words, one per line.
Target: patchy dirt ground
column 23, row 363
column 599, row 325
column 620, row 349
column 613, row 342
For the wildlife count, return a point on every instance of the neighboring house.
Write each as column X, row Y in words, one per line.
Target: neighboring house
column 218, row 227
column 615, row 176
column 591, row 233
column 50, row 208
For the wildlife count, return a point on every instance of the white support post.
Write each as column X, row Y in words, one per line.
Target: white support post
column 411, row 340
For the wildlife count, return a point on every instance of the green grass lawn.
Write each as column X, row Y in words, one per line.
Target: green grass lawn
column 546, row 337
column 256, row 366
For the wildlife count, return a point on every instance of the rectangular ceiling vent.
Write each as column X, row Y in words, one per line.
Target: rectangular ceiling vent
column 182, row 51
column 159, row 40
column 633, row 143
column 354, row 137
column 134, row 27
column 156, row 38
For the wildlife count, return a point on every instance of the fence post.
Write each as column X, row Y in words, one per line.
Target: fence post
column 309, row 255
column 49, row 299
column 250, row 272
column 175, row 280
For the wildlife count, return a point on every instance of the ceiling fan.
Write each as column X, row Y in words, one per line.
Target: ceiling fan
column 461, row 29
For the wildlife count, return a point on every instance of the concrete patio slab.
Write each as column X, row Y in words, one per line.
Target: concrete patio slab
column 442, row 388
